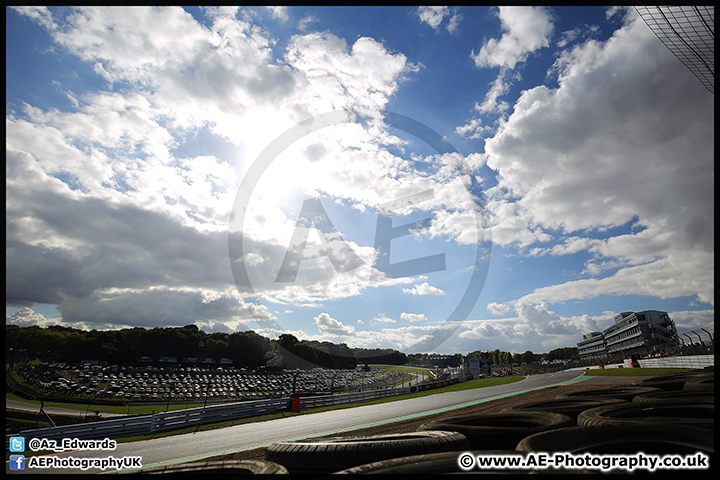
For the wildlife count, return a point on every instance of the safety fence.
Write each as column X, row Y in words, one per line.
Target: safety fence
column 680, row 361
column 158, row 422
column 686, row 361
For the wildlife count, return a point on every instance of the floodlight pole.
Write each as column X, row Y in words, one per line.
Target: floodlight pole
column 712, row 340
column 692, row 347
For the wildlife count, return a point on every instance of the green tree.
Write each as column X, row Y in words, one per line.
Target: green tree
column 529, row 357
column 287, row 341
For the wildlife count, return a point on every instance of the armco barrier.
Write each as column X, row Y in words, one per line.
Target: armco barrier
column 343, row 398
column 158, row 422
column 121, row 427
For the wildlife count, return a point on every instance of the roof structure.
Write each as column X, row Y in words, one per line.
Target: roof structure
column 689, row 33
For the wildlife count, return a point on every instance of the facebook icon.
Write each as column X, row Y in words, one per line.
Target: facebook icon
column 17, row 462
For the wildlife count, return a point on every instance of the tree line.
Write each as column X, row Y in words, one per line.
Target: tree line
column 500, row 357
column 246, row 349
column 422, row 359
column 125, row 347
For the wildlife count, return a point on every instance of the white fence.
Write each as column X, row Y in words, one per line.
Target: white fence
column 685, row 361
column 681, row 361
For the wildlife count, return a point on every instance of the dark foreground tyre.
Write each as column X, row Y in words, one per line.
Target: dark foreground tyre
column 566, row 406
column 677, row 414
column 672, row 381
column 433, row 464
column 494, row 431
column 332, row 454
column 218, row 469
column 688, row 396
column 622, row 439
column 623, row 393
column 706, row 383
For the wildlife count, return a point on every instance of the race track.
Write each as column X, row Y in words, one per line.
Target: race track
column 189, row 447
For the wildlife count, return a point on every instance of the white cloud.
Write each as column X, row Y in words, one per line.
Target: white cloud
column 26, row 317
column 568, row 247
column 102, row 191
column 360, row 78
column 490, row 104
column 423, row 289
column 568, row 37
column 434, row 16
column 498, row 308
column 413, row 317
column 382, row 318
column 527, row 29
column 537, row 328
column 110, row 219
column 613, row 11
column 535, row 325
column 329, row 326
column 281, row 13
column 41, row 15
column 148, row 46
column 498, row 88
column 576, row 34
column 454, row 22
column 473, row 129
column 593, row 154
column 680, row 274
column 305, row 23
column 694, row 321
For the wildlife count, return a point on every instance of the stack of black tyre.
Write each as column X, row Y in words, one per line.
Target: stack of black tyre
column 672, row 413
column 664, row 414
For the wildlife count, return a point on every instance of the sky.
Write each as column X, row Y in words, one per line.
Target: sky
column 426, row 179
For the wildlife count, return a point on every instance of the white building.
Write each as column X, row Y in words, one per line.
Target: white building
column 633, row 333
column 592, row 347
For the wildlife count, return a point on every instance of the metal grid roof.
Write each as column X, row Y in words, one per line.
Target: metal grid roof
column 689, row 33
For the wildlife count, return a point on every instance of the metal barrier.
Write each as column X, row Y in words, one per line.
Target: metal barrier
column 121, row 427
column 158, row 422
column 307, row 403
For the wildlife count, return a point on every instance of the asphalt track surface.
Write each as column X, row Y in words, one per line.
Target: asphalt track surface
column 200, row 445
